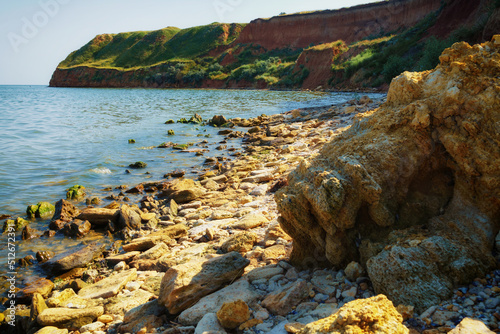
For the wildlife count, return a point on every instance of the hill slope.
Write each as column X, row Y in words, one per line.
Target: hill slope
column 361, row 47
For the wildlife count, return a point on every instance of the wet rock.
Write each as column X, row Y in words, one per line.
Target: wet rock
column 138, row 189
column 40, row 210
column 99, row 216
column 74, row 258
column 283, row 300
column 213, row 302
column 241, row 243
column 471, row 326
column 138, row 165
column 40, row 286
column 30, row 233
column 218, row 120
column 43, row 256
column 233, row 314
column 77, row 228
column 183, row 285
column 17, row 224
column 109, row 286
column 372, row 315
column 401, row 208
column 77, row 193
column 59, row 317
column 65, row 212
column 209, row 324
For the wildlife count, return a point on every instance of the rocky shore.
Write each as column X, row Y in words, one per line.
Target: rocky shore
column 210, row 254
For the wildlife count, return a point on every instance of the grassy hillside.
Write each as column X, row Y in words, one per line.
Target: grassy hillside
column 143, row 49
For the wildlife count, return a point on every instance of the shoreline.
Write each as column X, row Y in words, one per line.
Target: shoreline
column 229, row 208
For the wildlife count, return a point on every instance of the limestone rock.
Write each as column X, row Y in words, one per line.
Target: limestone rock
column 73, row 258
column 372, row 315
column 60, row 316
column 283, row 300
column 143, row 316
column 124, row 303
column 52, row 330
column 241, row 290
column 128, row 217
column 410, row 189
column 77, row 228
column 40, row 286
column 265, row 272
column 99, row 216
column 233, row 314
column 471, row 326
column 183, row 285
column 353, row 271
column 109, row 286
column 209, row 324
column 250, row 221
column 241, row 243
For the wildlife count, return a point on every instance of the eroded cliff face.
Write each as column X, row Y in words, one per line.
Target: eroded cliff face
column 348, row 24
column 411, row 190
column 318, row 62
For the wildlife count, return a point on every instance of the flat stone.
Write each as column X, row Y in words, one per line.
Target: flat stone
column 250, row 221
column 209, row 324
column 73, row 258
column 109, row 286
column 212, row 303
column 471, row 326
column 123, row 303
column 264, row 272
column 153, row 253
column 264, row 177
column 60, row 316
column 141, row 244
column 52, row 330
column 274, row 253
column 125, row 257
column 59, row 298
column 143, row 316
column 41, row 286
column 242, row 243
column 95, row 326
column 185, row 284
column 323, row 311
column 283, row 300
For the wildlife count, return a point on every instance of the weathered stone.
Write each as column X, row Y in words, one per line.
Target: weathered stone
column 187, row 195
column 37, row 306
column 77, row 228
column 60, row 316
column 372, row 315
column 283, row 300
column 213, row 302
column 146, row 316
column 250, row 221
column 183, row 285
column 275, row 252
column 218, row 120
column 52, row 330
column 29, row 233
column 99, row 216
column 241, row 243
column 77, row 192
column 233, row 314
column 353, row 271
column 126, row 257
column 65, row 212
column 59, row 298
column 265, row 272
column 109, row 286
column 73, row 258
column 40, row 286
column 154, row 253
column 129, row 218
column 471, row 326
column 106, row 318
column 370, row 189
column 209, row 324
column 264, row 177
column 124, row 303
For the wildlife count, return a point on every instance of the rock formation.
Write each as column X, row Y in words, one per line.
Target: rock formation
column 412, row 189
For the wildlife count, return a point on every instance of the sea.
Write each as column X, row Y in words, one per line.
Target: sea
column 54, row 138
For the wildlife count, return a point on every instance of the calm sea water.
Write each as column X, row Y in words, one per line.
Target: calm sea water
column 54, row 138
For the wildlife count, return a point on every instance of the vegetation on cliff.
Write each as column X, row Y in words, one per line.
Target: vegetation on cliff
column 213, row 56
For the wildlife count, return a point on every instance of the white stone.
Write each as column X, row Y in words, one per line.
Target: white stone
column 209, row 323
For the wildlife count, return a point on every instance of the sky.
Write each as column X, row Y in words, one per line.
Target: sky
column 35, row 35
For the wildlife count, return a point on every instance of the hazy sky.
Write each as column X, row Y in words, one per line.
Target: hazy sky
column 35, row 35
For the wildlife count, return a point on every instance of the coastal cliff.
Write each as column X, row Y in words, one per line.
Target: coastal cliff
column 380, row 40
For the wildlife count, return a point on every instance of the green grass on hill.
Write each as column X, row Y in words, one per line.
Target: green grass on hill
column 143, row 49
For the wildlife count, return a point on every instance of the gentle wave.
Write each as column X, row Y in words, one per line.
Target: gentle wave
column 101, row 170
